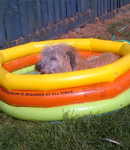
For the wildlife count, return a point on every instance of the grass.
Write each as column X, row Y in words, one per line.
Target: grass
column 114, row 28
column 71, row 134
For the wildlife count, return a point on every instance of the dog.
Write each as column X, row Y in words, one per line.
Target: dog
column 61, row 58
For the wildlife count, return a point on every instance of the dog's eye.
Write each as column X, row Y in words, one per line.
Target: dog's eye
column 53, row 58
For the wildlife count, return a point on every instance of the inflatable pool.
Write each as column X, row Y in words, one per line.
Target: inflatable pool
column 47, row 97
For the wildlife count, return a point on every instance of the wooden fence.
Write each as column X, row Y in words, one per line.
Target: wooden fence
column 22, row 21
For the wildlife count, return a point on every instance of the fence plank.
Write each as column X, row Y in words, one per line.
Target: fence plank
column 87, row 5
column 93, row 10
column 105, row 7
column 44, row 11
column 58, row 17
column 98, row 8
column 115, row 4
column 63, row 9
column 40, row 35
column 68, row 7
column 16, row 19
column 51, row 12
column 73, row 8
column 8, row 20
column 118, row 3
column 38, row 15
column 108, row 6
column 121, row 3
column 101, row 6
column 82, row 6
column 31, row 16
column 87, row 11
column 96, row 4
column 23, row 18
column 78, row 5
column 111, row 5
column 57, row 11
column 124, row 3
column 2, row 32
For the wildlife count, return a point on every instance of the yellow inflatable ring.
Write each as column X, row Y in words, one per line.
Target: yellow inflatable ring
column 46, row 82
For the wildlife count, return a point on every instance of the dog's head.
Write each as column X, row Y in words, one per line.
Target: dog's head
column 57, row 59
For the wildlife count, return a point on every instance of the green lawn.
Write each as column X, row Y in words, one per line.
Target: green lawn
column 70, row 134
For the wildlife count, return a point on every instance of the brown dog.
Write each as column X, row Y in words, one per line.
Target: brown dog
column 65, row 58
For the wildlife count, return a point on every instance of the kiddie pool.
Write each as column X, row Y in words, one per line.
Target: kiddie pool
column 47, row 97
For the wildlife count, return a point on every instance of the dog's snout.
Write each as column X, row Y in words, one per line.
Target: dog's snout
column 38, row 66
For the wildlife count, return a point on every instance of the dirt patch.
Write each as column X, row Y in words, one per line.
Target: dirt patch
column 101, row 30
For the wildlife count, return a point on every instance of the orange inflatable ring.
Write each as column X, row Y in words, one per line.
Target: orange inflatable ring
column 88, row 93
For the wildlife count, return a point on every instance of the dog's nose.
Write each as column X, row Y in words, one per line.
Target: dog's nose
column 38, row 66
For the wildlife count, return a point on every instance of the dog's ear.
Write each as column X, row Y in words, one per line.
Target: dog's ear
column 72, row 60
